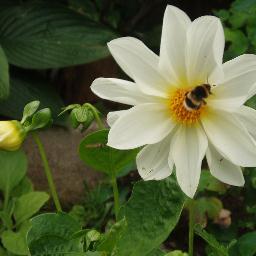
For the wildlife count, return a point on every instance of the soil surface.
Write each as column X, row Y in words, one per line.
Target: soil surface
column 69, row 171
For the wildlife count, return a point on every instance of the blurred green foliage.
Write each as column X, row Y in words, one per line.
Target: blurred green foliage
column 240, row 27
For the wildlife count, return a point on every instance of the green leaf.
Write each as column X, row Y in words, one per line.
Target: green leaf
column 245, row 245
column 51, row 234
column 151, row 213
column 96, row 154
column 210, row 183
column 15, row 242
column 30, row 109
column 26, row 89
column 211, row 240
column 24, row 187
column 156, row 252
column 13, row 169
column 176, row 253
column 41, row 36
column 6, row 219
column 222, row 14
column 244, row 5
column 68, row 108
column 3, row 252
column 238, row 43
column 93, row 254
column 4, row 75
column 40, row 119
column 29, row 204
column 109, row 241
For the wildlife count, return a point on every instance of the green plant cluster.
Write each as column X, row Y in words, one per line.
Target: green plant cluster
column 239, row 26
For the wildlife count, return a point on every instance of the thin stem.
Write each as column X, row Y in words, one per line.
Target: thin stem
column 116, row 195
column 114, row 184
column 191, row 227
column 96, row 115
column 48, row 172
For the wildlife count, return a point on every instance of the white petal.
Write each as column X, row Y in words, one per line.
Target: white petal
column 143, row 124
column 113, row 116
column 119, row 91
column 173, row 43
column 238, row 83
column 188, row 149
column 223, row 169
column 248, row 117
column 205, row 46
column 152, row 160
column 141, row 64
column 230, row 138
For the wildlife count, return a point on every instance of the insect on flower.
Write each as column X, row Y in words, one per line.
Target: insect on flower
column 186, row 103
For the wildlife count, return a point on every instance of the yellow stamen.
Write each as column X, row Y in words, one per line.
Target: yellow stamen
column 178, row 111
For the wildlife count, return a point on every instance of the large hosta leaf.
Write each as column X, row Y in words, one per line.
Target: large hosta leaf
column 151, row 214
column 48, row 35
column 26, row 89
column 4, row 75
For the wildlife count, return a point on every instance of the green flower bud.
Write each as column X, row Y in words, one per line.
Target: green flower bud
column 12, row 135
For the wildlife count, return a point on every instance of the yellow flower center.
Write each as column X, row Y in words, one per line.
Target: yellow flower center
column 178, row 110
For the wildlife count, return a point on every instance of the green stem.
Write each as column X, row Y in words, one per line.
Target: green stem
column 48, row 172
column 96, row 115
column 191, row 227
column 114, row 184
column 116, row 195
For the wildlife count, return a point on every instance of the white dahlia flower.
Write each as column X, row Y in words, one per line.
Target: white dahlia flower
column 175, row 124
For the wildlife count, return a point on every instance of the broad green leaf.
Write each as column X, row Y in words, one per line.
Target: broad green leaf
column 41, row 36
column 3, row 252
column 15, row 242
column 24, row 187
column 96, row 154
column 4, row 75
column 211, row 240
column 13, row 169
column 88, row 8
column 27, row 89
column 30, row 109
column 151, row 214
column 29, row 204
column 156, row 252
column 245, row 246
column 51, row 234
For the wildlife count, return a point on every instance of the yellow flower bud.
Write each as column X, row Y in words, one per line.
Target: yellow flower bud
column 12, row 135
